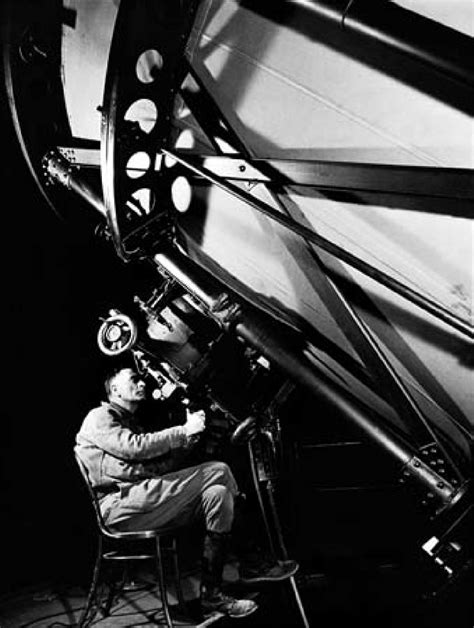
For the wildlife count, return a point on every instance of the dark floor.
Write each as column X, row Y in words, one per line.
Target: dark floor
column 380, row 598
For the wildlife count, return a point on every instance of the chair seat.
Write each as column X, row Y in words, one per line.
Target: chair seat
column 136, row 535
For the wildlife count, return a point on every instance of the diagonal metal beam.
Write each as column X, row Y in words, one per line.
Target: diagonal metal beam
column 238, row 167
column 287, row 349
column 424, row 302
column 456, row 183
column 446, row 183
column 209, row 115
column 386, row 379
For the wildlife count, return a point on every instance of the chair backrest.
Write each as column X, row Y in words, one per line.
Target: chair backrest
column 103, row 528
column 95, row 501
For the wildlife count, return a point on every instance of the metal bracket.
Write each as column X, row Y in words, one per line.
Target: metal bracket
column 226, row 311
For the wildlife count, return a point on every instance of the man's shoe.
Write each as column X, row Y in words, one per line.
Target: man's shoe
column 265, row 572
column 227, row 605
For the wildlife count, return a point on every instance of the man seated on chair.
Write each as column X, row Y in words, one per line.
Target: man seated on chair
column 139, row 486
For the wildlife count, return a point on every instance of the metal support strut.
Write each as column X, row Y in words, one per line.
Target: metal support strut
column 275, row 520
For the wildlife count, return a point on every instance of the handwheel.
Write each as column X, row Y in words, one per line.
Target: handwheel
column 117, row 334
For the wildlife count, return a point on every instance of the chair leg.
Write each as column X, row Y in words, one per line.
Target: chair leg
column 85, row 620
column 162, row 583
column 115, row 590
column 177, row 577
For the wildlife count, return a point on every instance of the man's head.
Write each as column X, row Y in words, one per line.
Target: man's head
column 125, row 387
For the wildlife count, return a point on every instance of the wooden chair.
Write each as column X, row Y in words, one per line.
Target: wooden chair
column 112, row 546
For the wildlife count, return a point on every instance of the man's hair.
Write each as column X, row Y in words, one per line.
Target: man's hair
column 109, row 378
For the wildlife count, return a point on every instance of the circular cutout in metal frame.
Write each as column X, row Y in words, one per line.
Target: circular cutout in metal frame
column 148, row 42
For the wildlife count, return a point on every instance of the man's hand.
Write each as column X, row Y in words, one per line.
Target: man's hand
column 195, row 422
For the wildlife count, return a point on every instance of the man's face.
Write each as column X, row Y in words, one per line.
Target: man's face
column 128, row 386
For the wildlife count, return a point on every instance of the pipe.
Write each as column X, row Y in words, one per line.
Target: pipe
column 286, row 349
column 60, row 170
column 439, row 47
